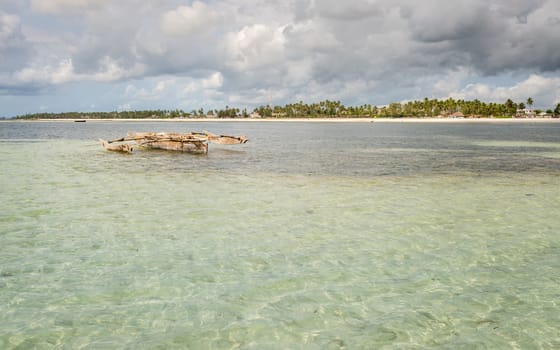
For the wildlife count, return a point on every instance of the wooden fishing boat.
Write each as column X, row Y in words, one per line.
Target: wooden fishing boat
column 123, row 147
column 193, row 142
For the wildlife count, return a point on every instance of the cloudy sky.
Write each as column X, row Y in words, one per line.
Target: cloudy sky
column 104, row 55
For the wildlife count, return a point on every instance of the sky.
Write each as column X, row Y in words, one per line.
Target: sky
column 106, row 55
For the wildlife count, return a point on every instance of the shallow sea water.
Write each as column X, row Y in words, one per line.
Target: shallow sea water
column 310, row 236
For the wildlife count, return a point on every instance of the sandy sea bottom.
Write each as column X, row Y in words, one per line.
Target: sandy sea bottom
column 101, row 250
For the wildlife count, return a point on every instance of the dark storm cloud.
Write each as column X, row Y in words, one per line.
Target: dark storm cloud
column 495, row 37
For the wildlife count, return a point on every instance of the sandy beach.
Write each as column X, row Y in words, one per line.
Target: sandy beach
column 318, row 120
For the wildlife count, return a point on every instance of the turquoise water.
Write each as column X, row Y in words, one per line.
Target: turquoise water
column 414, row 237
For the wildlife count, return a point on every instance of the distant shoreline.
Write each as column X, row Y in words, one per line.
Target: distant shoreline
column 321, row 120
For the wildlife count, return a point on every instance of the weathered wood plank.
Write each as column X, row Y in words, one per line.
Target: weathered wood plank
column 123, row 147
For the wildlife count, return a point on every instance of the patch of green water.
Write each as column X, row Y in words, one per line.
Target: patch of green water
column 102, row 250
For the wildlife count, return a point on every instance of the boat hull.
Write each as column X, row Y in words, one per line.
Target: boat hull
column 189, row 147
column 123, row 147
column 194, row 142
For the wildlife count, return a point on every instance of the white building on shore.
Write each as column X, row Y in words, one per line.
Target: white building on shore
column 526, row 113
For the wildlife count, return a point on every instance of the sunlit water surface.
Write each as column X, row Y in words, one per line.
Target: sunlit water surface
column 311, row 236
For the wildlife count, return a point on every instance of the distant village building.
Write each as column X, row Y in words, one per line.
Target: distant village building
column 526, row 113
column 457, row 115
column 255, row 115
column 545, row 115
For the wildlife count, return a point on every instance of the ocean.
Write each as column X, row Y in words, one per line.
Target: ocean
column 310, row 236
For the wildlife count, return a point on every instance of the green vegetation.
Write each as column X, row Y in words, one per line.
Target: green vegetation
column 426, row 108
column 530, row 102
column 418, row 109
column 160, row 114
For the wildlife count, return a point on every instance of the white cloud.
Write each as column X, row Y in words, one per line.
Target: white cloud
column 52, row 74
column 174, row 87
column 188, row 86
column 545, row 91
column 452, row 81
column 186, row 20
column 309, row 37
column 64, row 72
column 338, row 90
column 111, row 70
column 9, row 25
column 213, row 81
column 66, row 6
column 255, row 46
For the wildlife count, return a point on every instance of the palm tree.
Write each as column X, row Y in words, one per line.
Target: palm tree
column 510, row 106
column 530, row 102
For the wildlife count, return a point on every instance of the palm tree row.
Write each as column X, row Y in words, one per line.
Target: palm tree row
column 324, row 109
column 417, row 108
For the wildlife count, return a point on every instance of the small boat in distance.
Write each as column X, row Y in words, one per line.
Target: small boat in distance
column 79, row 121
column 193, row 142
